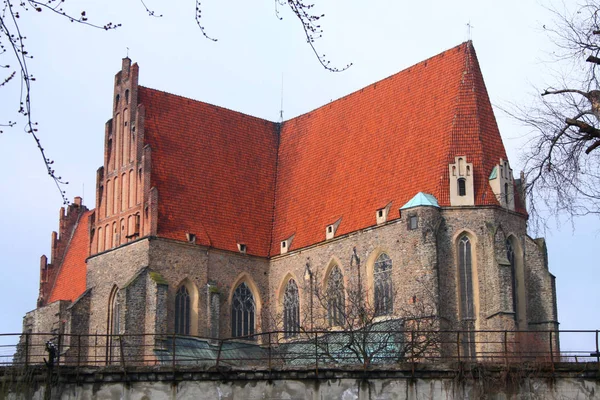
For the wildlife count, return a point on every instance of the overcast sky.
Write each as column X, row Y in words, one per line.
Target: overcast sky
column 244, row 70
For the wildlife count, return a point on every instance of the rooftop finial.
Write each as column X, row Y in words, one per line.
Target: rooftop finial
column 281, row 108
column 469, row 27
column 127, row 52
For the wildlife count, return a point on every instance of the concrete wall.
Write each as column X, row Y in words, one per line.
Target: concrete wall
column 295, row 385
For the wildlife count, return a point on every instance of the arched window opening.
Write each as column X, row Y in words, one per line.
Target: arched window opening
column 182, row 311
column 510, row 254
column 113, row 326
column 462, row 187
column 335, row 297
column 467, row 308
column 117, row 98
column 382, row 276
column 127, row 96
column 466, row 280
column 506, row 193
column 243, row 311
column 291, row 310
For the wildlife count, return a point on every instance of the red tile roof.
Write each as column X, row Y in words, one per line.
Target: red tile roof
column 383, row 144
column 71, row 280
column 232, row 178
column 214, row 170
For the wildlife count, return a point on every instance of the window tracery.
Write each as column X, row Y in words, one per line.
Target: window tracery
column 335, row 297
column 291, row 309
column 510, row 255
column 243, row 311
column 182, row 311
column 382, row 276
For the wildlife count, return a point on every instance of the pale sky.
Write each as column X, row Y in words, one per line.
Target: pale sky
column 72, row 99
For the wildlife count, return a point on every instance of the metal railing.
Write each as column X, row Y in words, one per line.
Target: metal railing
column 314, row 349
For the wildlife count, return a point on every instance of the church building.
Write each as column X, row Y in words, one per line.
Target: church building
column 213, row 223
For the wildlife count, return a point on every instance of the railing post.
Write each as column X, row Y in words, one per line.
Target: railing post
column 174, row 349
column 597, row 351
column 551, row 350
column 269, row 350
column 59, row 350
column 506, row 347
column 121, row 351
column 458, row 345
column 412, row 346
column 27, row 339
column 79, row 350
column 316, row 354
column 219, row 353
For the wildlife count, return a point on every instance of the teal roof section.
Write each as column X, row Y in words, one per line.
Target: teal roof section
column 421, row 199
column 494, row 173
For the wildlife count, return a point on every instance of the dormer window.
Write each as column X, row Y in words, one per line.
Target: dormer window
column 286, row 244
column 241, row 248
column 382, row 214
column 191, row 237
column 462, row 187
column 461, row 182
column 330, row 230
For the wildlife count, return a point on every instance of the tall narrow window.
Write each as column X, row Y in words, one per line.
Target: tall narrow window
column 506, row 197
column 510, row 254
column 466, row 279
column 462, row 188
column 467, row 309
column 335, row 297
column 113, row 326
column 291, row 309
column 182, row 311
column 242, row 311
column 382, row 276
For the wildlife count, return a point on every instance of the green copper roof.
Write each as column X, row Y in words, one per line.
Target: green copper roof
column 421, row 199
column 494, row 173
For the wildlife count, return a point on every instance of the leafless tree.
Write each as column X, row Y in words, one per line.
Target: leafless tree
column 13, row 47
column 562, row 164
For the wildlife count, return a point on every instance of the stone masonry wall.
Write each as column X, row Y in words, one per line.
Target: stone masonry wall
column 110, row 269
column 414, row 266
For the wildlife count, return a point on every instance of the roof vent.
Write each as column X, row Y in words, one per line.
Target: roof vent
column 286, row 244
column 330, row 230
column 382, row 214
column 191, row 237
column 241, row 248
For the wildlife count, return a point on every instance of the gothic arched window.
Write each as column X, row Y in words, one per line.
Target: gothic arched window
column 467, row 308
column 335, row 297
column 291, row 309
column 382, row 276
column 462, row 187
column 242, row 311
column 510, row 254
column 114, row 325
column 466, row 278
column 182, row 311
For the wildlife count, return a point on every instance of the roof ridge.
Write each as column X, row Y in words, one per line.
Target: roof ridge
column 439, row 55
column 205, row 103
column 275, row 182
